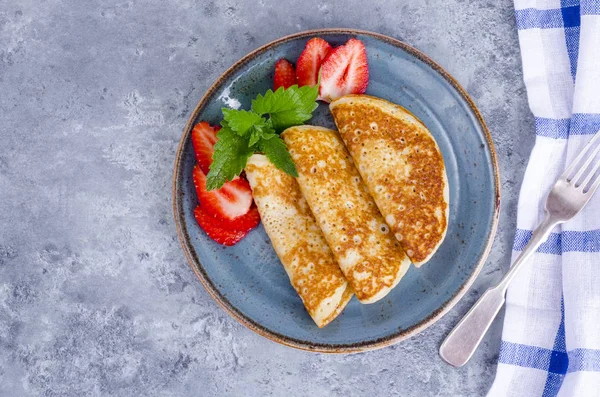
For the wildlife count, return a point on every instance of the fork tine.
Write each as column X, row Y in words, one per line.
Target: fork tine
column 573, row 166
column 584, row 167
column 592, row 173
column 594, row 186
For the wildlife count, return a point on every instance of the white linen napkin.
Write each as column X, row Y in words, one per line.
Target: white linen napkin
column 551, row 337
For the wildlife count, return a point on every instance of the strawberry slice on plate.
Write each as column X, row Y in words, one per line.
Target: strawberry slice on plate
column 309, row 62
column 204, row 138
column 226, row 214
column 344, row 71
column 285, row 75
column 245, row 222
column 229, row 202
column 215, row 229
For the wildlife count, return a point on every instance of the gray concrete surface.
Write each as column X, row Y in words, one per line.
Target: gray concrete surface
column 96, row 297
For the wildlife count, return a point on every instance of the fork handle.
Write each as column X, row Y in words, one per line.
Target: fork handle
column 461, row 343
column 463, row 340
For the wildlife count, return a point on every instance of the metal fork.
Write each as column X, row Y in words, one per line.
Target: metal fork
column 568, row 196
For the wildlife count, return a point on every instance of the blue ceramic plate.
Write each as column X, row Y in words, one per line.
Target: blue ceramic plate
column 248, row 280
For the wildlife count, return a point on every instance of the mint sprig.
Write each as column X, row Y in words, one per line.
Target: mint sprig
column 229, row 159
column 246, row 132
column 277, row 153
column 241, row 121
column 287, row 108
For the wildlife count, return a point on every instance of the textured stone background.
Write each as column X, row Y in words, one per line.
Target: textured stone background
column 96, row 297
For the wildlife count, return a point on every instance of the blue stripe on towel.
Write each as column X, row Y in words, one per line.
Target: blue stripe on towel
column 559, row 360
column 556, row 362
column 566, row 241
column 584, row 360
column 533, row 357
column 590, row 8
column 532, row 18
column 579, row 124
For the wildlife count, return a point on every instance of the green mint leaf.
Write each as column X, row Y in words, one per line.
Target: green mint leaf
column 287, row 107
column 255, row 136
column 229, row 159
column 247, row 132
column 241, row 121
column 276, row 151
column 269, row 136
column 260, row 130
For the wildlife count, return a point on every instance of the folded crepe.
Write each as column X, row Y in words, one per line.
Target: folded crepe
column 403, row 168
column 367, row 252
column 298, row 241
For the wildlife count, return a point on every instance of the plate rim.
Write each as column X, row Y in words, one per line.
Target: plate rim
column 208, row 284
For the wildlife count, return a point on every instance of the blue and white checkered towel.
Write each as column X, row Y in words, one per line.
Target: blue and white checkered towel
column 551, row 338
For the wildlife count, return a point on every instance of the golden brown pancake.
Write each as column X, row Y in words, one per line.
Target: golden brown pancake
column 367, row 252
column 403, row 168
column 298, row 241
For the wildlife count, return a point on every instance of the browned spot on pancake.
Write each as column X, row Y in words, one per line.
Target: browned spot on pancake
column 402, row 167
column 297, row 239
column 370, row 257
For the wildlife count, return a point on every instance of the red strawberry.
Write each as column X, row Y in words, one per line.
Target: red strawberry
column 344, row 71
column 246, row 222
column 309, row 62
column 215, row 229
column 285, row 75
column 229, row 202
column 204, row 138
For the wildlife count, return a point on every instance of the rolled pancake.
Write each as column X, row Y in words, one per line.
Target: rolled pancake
column 403, row 168
column 371, row 259
column 298, row 241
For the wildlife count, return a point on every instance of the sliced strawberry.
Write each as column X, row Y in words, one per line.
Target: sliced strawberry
column 229, row 202
column 204, row 138
column 215, row 229
column 309, row 62
column 245, row 222
column 344, row 71
column 285, row 75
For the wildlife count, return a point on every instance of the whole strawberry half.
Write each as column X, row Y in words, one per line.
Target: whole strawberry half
column 310, row 60
column 229, row 202
column 285, row 75
column 344, row 71
column 204, row 138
